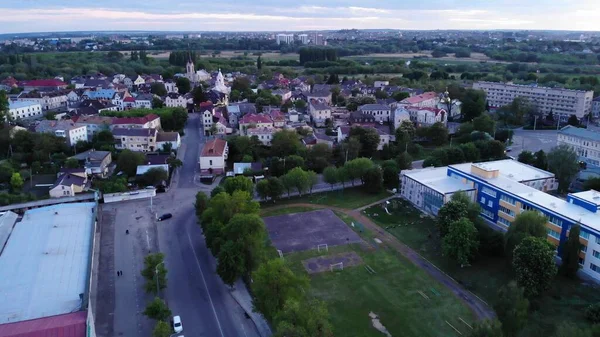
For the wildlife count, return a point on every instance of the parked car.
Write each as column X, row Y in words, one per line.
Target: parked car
column 177, row 327
column 165, row 216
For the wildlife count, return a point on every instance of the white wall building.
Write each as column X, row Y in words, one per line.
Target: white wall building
column 285, row 38
column 583, row 141
column 212, row 159
column 381, row 112
column 24, row 110
column 561, row 102
column 303, row 38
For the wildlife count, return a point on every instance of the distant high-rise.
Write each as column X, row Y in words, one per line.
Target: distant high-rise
column 285, row 38
column 303, row 38
column 319, row 40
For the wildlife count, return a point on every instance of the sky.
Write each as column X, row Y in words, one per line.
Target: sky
column 21, row 16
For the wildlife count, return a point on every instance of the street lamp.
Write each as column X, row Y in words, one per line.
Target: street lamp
column 156, row 276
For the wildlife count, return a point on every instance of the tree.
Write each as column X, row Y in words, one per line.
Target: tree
column 534, row 265
column 390, row 174
column 274, row 285
column 529, row 223
column 231, row 263
column 437, row 134
column 373, row 180
column 512, row 308
column 400, row 95
column 570, row 253
column 6, row 172
column 368, row 138
column 162, row 329
column 198, row 95
column 258, row 63
column 526, row 157
column 201, row 203
column 285, row 143
column 262, row 189
column 573, row 120
column 541, row 160
column 152, row 264
column 404, row 161
column 449, row 213
column 470, row 152
column 154, row 176
column 72, row 163
column 128, row 161
column 562, row 161
column 357, row 168
column 487, row 328
column 484, row 123
column 238, row 183
column 473, row 104
column 461, row 241
column 568, row 329
column 299, row 179
column 318, row 157
column 16, row 181
column 157, row 310
column 308, row 318
column 275, row 188
column 157, row 103
column 3, row 106
column 592, row 313
column 313, row 179
column 592, row 184
column 330, row 175
column 158, row 89
column 183, row 85
column 380, row 94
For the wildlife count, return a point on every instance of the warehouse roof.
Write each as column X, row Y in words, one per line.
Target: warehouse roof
column 581, row 133
column 45, row 264
column 436, row 179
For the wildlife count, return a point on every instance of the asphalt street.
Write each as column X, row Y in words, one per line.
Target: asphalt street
column 532, row 140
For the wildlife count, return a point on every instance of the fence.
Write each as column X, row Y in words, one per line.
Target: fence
column 141, row 194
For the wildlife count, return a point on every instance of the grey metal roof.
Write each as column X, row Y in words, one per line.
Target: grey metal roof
column 134, row 132
column 368, row 107
column 91, row 155
column 45, row 265
column 581, row 133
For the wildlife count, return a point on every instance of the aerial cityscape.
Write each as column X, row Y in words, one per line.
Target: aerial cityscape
column 300, row 170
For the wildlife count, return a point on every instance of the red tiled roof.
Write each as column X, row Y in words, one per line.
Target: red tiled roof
column 135, row 120
column 206, row 105
column 45, row 83
column 214, row 148
column 436, row 110
column 255, row 118
column 68, row 325
column 129, row 99
column 420, row 98
column 276, row 115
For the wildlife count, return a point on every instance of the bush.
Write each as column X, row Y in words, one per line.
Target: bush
column 592, row 313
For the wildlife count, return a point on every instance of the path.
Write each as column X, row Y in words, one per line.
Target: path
column 480, row 308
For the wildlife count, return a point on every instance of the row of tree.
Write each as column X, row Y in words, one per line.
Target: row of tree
column 155, row 274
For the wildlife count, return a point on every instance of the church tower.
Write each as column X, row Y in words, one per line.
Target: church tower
column 190, row 72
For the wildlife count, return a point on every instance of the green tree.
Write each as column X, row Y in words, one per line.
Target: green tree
column 162, row 329
column 183, row 85
column 461, row 241
column 404, row 161
column 157, row 310
column 562, row 161
column 275, row 188
column 198, row 95
column 16, row 181
column 158, row 89
column 313, row 179
column 224, row 206
column 570, row 253
column 299, row 179
column 592, row 313
column 128, row 161
column 568, row 329
column 154, row 176
column 368, row 138
column 258, row 63
column 473, row 104
column 437, row 134
column 592, row 184
column 390, row 174
column 274, row 285
column 217, row 190
column 72, row 163
column 484, row 123
column 238, row 183
column 231, row 263
column 3, row 106
column 573, row 120
column 373, row 180
column 533, row 262
column 529, row 223
column 285, row 143
column 487, row 328
column 512, row 308
column 527, row 157
column 201, row 204
column 6, row 172
column 157, row 103
column 357, row 168
column 541, row 160
column 318, row 157
column 154, row 263
column 400, row 95
column 330, row 175
column 470, row 152
column 262, row 189
column 308, row 318
column 459, row 206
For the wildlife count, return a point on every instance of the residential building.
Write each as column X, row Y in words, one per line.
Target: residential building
column 174, row 100
column 171, row 87
column 583, row 141
column 357, row 117
column 254, row 121
column 284, row 93
column 213, row 157
column 317, row 138
column 150, row 121
column 52, row 100
column 400, row 115
column 93, row 124
column 101, row 94
column 135, row 139
column 144, row 101
column 69, row 184
column 277, row 117
column 133, row 82
column 95, row 163
column 264, row 134
column 284, row 38
column 319, row 113
column 425, row 100
column 425, row 116
column 379, row 111
column 560, row 102
column 596, row 107
column 45, row 85
column 303, row 38
column 172, row 138
column 380, row 84
column 94, row 107
column 235, row 111
column 323, row 96
column 506, row 188
column 72, row 132
column 24, row 110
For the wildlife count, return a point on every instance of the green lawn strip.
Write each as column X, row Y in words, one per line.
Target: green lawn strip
column 567, row 299
column 392, row 293
column 350, row 198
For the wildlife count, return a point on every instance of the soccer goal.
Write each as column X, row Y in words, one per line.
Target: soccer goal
column 280, row 253
column 336, row 266
column 322, row 246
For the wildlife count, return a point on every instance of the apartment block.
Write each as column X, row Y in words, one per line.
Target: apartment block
column 561, row 102
column 583, row 141
column 506, row 188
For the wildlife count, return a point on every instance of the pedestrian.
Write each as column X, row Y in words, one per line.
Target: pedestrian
column 118, row 273
column 127, row 231
column 121, row 273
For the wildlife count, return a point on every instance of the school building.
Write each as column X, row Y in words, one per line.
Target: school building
column 504, row 189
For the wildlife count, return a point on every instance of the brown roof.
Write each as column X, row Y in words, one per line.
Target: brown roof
column 214, row 148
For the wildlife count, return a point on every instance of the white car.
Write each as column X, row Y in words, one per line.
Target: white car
column 177, row 327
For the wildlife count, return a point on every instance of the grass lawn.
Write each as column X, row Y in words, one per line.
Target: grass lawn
column 350, row 198
column 567, row 299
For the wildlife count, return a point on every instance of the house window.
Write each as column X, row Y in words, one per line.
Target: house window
column 489, row 191
column 554, row 233
column 508, row 200
column 506, row 211
column 595, row 268
column 487, row 213
column 504, row 222
column 210, row 162
column 596, row 254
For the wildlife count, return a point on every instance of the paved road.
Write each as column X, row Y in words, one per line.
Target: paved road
column 195, row 291
column 530, row 140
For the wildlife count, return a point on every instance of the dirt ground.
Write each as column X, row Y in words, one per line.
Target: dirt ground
column 323, row 263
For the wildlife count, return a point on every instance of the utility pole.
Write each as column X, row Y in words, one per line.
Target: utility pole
column 535, row 122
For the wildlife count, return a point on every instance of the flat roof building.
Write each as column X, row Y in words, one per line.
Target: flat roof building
column 45, row 264
column 504, row 189
column 558, row 101
column 583, row 141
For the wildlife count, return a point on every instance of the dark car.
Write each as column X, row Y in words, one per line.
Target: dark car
column 165, row 216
